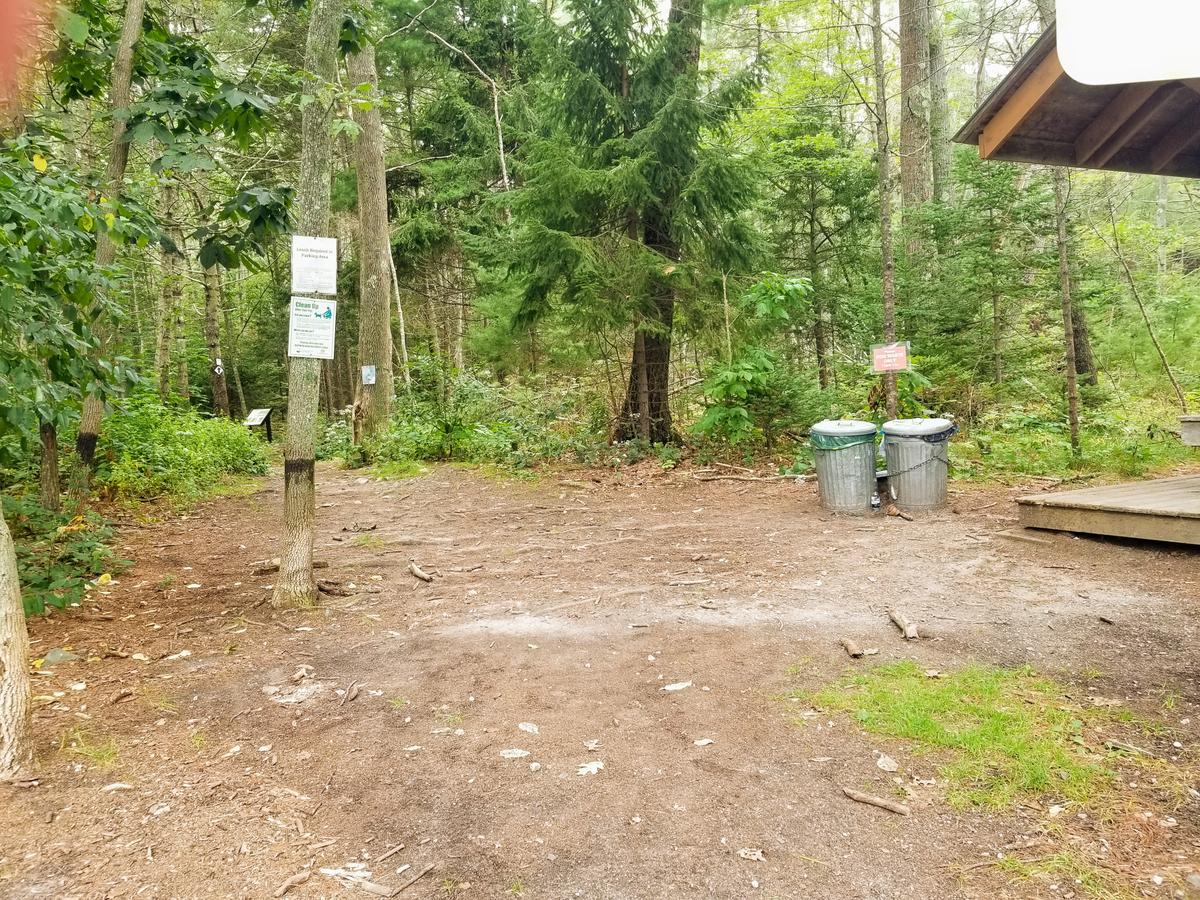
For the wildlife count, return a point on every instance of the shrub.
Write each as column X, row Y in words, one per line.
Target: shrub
column 150, row 450
column 57, row 556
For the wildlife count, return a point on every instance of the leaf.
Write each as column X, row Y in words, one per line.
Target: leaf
column 76, row 28
column 39, row 162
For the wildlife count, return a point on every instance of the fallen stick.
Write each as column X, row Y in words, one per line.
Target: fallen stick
column 1127, row 748
column 390, row 853
column 895, row 512
column 852, row 648
column 378, row 890
column 421, row 873
column 890, row 805
column 295, row 881
column 907, row 628
column 418, row 572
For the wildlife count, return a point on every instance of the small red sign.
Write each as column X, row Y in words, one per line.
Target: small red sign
column 890, row 358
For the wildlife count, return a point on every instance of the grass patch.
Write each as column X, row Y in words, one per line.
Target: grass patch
column 101, row 754
column 1071, row 872
column 1010, row 732
column 398, row 470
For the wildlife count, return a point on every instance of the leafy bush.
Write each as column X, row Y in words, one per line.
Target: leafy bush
column 149, row 450
column 754, row 398
column 57, row 556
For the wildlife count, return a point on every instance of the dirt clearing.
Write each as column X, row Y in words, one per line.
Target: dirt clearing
column 589, row 699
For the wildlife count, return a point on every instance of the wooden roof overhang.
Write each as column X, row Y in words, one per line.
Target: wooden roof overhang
column 1039, row 114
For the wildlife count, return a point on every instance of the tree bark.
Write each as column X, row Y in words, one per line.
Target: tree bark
column 50, row 487
column 375, row 252
column 1061, row 189
column 295, row 584
column 403, row 330
column 916, row 166
column 230, row 346
column 114, row 176
column 168, row 301
column 16, row 739
column 940, row 151
column 212, row 338
column 886, row 243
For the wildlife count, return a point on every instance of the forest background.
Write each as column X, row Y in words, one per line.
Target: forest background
column 595, row 232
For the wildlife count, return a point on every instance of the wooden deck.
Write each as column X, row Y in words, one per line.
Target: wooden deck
column 1167, row 509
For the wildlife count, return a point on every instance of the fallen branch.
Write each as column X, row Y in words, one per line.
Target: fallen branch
column 871, row 800
column 390, row 853
column 907, row 628
column 421, row 873
column 895, row 512
column 418, row 572
column 271, row 566
column 852, row 648
column 745, row 477
column 295, row 881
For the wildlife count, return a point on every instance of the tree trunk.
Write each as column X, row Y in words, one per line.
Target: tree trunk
column 50, row 495
column 916, row 166
column 231, row 356
column 183, row 385
column 106, row 251
column 647, row 412
column 16, row 738
column 295, row 584
column 212, row 338
column 1085, row 359
column 1061, row 188
column 403, row 330
column 886, row 245
column 165, row 320
column 375, row 252
column 940, row 151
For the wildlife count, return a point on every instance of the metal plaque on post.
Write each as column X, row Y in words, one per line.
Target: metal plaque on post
column 887, row 358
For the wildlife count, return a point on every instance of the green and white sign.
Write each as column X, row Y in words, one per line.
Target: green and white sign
column 311, row 328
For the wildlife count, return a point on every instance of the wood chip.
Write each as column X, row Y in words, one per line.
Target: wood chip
column 871, row 800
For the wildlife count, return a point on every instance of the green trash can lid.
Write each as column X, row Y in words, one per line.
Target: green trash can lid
column 843, row 428
column 918, row 428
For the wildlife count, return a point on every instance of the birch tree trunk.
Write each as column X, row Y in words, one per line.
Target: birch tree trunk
column 212, row 338
column 295, row 584
column 16, row 740
column 886, row 243
column 403, row 332
column 114, row 175
column 375, row 251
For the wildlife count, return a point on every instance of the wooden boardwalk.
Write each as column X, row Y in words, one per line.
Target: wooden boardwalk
column 1167, row 509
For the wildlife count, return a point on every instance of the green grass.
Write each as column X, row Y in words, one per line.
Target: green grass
column 398, row 470
column 1071, row 872
column 1010, row 733
column 102, row 754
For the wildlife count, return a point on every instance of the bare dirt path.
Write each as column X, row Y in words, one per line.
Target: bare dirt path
column 223, row 767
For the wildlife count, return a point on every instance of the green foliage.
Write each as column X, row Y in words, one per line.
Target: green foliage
column 151, row 450
column 51, row 293
column 58, row 557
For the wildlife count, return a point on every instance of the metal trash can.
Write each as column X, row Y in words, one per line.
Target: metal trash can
column 918, row 461
column 844, row 453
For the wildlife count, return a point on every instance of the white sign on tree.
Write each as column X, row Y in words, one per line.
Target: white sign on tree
column 314, row 265
column 311, row 328
column 1116, row 41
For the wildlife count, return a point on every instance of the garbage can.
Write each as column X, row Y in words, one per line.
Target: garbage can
column 844, row 453
column 918, row 461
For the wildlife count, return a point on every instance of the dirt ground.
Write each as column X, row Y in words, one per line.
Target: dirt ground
column 188, row 754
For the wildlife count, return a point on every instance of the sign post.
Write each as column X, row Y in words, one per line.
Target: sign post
column 887, row 358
